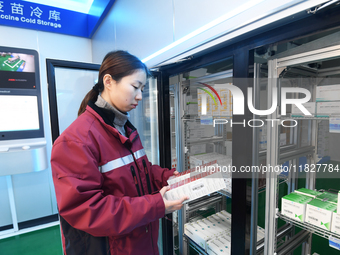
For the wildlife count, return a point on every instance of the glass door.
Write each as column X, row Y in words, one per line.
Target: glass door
column 310, row 81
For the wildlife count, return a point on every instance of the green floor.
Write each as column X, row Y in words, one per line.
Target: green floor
column 41, row 242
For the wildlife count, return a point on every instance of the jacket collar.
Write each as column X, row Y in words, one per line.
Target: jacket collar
column 107, row 117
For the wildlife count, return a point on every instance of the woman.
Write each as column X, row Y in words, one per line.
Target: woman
column 109, row 195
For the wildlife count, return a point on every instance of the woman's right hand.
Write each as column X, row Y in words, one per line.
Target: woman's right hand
column 174, row 205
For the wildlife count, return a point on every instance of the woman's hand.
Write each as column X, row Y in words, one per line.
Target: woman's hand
column 171, row 206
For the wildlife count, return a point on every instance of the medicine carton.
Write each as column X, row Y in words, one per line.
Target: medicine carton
column 294, row 206
column 214, row 227
column 327, row 108
column 224, row 215
column 328, row 93
column 217, row 247
column 308, row 192
column 219, row 220
column 319, row 213
column 310, row 106
column 328, row 197
column 336, row 223
column 198, row 234
column 196, row 182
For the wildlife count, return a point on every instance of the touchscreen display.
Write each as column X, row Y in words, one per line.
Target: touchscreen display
column 17, row 71
column 18, row 113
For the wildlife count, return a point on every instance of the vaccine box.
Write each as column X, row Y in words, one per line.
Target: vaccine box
column 319, row 213
column 218, row 247
column 310, row 106
column 195, row 183
column 328, row 197
column 308, row 192
column 328, row 93
column 336, row 223
column 327, row 108
column 199, row 234
column 294, row 206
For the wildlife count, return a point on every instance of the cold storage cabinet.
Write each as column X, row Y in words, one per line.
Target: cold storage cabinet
column 256, row 63
column 314, row 163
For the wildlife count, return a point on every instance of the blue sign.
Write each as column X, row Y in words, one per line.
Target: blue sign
column 52, row 19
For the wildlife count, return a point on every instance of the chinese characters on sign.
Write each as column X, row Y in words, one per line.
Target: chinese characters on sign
column 33, row 15
column 28, row 15
column 1, row 6
column 36, row 11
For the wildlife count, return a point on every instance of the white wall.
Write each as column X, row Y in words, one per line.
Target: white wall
column 140, row 27
column 34, row 192
column 144, row 27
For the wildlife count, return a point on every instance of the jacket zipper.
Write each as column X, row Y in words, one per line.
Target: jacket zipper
column 136, row 182
column 147, row 176
column 140, row 179
column 135, row 179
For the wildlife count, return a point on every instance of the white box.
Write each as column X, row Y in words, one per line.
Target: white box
column 327, row 108
column 336, row 222
column 319, row 213
column 199, row 236
column 328, row 93
column 226, row 240
column 217, row 247
column 310, row 106
column 294, row 206
column 196, row 183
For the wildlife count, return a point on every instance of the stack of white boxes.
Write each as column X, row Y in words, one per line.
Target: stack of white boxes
column 213, row 234
column 196, row 182
column 223, row 161
column 313, row 207
column 328, row 100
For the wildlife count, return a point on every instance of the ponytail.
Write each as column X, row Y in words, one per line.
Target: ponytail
column 92, row 95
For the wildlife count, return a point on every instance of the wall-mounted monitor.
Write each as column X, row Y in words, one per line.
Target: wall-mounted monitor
column 20, row 94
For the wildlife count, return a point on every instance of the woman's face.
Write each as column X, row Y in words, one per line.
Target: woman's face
column 125, row 94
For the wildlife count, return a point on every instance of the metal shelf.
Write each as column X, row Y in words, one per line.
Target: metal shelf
column 311, row 228
column 200, row 250
column 195, row 246
column 282, row 179
column 224, row 192
column 206, row 140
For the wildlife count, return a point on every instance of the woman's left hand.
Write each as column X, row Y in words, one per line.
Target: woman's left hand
column 175, row 173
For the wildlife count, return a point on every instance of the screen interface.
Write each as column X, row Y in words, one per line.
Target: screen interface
column 18, row 113
column 17, row 71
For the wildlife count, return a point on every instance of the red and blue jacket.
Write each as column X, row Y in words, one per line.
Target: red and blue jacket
column 106, row 188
